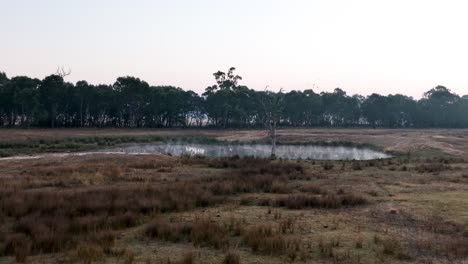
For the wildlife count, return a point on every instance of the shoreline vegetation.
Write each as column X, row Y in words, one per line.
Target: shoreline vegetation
column 78, row 144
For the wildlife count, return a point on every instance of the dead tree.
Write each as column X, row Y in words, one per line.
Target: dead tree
column 61, row 72
column 272, row 107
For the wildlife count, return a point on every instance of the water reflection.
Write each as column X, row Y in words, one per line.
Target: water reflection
column 257, row 150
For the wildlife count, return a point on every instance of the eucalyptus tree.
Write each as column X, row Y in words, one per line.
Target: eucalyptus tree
column 3, row 79
column 193, row 109
column 438, row 106
column 19, row 102
column 462, row 110
column 84, row 94
column 6, row 100
column 402, row 111
column 132, row 96
column 225, row 101
column 51, row 96
column 25, row 100
column 104, row 107
column 374, row 108
column 229, row 80
column 131, row 102
column 336, row 107
column 272, row 106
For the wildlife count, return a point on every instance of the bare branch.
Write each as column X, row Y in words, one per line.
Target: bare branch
column 62, row 73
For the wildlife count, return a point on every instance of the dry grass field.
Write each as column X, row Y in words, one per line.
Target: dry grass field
column 103, row 208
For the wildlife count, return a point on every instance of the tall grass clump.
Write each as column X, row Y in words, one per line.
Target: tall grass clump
column 231, row 258
column 328, row 201
column 202, row 232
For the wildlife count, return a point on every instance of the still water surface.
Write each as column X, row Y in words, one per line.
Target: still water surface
column 258, row 150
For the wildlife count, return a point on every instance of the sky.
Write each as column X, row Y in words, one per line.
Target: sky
column 361, row 46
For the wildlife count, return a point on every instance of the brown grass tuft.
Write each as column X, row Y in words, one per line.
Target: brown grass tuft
column 330, row 201
column 18, row 245
column 164, row 230
column 432, row 167
column 231, row 258
column 206, row 232
column 88, row 253
column 188, row 258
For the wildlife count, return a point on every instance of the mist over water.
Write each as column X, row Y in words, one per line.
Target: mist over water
column 259, row 151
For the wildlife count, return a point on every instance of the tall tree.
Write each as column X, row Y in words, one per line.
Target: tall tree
column 131, row 102
column 438, row 105
column 4, row 98
column 25, row 98
column 51, row 95
column 272, row 104
column 133, row 95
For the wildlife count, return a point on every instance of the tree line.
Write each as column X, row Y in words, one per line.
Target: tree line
column 133, row 103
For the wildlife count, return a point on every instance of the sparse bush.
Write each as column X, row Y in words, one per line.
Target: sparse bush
column 313, row 189
column 231, row 258
column 246, row 201
column 206, row 232
column 264, row 239
column 222, row 188
column 164, row 230
column 326, row 248
column 128, row 257
column 359, row 242
column 391, row 245
column 105, row 238
column 280, row 187
column 327, row 165
column 351, row 199
column 87, row 224
column 456, row 247
column 202, row 232
column 89, row 253
column 47, row 234
column 234, row 226
column 52, row 218
column 18, row 245
column 432, row 167
column 287, row 225
column 274, row 168
column 465, row 232
column 125, row 220
column 112, row 172
column 301, row 201
column 254, row 235
column 188, row 258
column 356, row 165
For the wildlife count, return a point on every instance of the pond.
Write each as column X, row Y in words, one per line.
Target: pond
column 257, row 150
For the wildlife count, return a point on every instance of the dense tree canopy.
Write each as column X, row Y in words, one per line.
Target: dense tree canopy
column 131, row 102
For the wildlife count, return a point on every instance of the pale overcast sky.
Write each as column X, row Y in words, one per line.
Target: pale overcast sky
column 361, row 46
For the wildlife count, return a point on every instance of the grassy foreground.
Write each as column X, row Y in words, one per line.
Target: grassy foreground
column 162, row 209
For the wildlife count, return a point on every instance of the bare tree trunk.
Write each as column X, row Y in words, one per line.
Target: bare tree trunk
column 273, row 140
column 81, row 114
column 272, row 108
